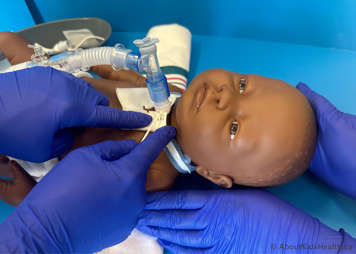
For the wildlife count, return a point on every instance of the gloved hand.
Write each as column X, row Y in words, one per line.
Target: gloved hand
column 334, row 160
column 242, row 221
column 91, row 200
column 38, row 105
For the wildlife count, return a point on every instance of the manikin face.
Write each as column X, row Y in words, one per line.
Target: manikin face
column 245, row 138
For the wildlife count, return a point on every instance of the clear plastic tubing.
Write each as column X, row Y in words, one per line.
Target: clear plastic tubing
column 119, row 58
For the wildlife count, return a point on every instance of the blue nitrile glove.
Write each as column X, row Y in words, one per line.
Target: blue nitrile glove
column 91, row 200
column 240, row 221
column 38, row 105
column 334, row 160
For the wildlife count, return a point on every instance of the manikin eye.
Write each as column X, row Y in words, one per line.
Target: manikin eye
column 243, row 84
column 233, row 129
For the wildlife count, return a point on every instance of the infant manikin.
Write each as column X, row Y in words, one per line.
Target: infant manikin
column 231, row 128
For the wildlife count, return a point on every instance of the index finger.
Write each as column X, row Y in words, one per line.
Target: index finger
column 106, row 117
column 175, row 200
column 147, row 151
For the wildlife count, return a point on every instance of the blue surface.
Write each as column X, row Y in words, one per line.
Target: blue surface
column 312, row 22
column 15, row 16
column 5, row 210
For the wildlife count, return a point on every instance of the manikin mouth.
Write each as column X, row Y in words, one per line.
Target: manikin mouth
column 200, row 96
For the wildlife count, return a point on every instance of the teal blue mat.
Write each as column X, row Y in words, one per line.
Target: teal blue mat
column 15, row 16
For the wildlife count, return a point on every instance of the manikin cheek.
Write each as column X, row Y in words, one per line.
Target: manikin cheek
column 205, row 153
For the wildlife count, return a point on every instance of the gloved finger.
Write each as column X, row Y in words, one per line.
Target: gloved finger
column 113, row 150
column 62, row 142
column 323, row 109
column 111, row 117
column 108, row 117
column 147, row 151
column 169, row 200
column 176, row 248
column 173, row 219
column 187, row 238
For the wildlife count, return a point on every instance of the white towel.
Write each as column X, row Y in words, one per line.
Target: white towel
column 173, row 52
column 136, row 243
column 36, row 170
column 173, row 48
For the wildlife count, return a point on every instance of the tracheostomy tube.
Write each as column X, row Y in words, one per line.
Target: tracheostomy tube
column 155, row 79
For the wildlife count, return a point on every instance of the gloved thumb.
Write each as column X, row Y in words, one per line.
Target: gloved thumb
column 105, row 116
column 147, row 151
column 324, row 110
column 113, row 150
column 176, row 200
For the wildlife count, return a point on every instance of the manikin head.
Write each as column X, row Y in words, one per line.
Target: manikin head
column 261, row 134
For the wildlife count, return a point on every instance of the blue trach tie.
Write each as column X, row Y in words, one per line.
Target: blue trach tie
column 180, row 161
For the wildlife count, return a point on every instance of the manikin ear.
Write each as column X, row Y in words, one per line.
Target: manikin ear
column 219, row 179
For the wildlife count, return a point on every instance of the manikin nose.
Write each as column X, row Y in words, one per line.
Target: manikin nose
column 224, row 97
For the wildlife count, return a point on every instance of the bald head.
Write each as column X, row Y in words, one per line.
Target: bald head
column 284, row 131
